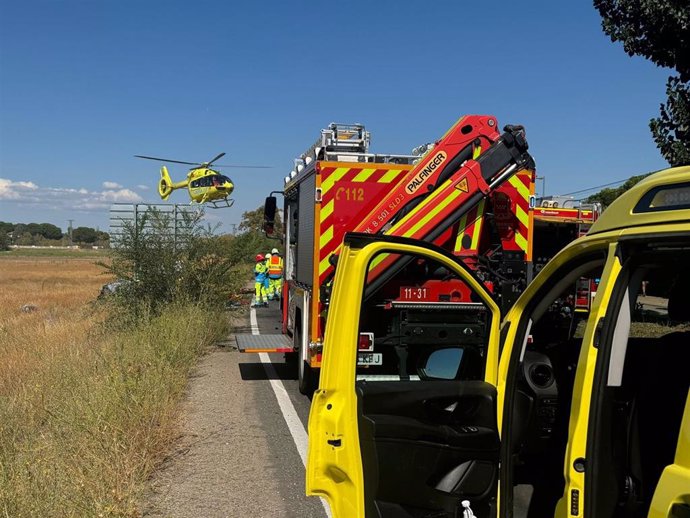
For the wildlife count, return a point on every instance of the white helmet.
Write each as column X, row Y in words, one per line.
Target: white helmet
column 268, row 256
column 275, row 251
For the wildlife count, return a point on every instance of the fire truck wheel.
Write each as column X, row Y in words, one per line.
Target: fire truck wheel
column 305, row 374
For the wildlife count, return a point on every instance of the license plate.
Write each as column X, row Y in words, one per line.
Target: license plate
column 370, row 359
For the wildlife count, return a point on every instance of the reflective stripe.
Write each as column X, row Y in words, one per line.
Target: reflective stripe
column 326, row 237
column 361, row 177
column 390, row 176
column 520, row 241
column 521, row 215
column 522, row 189
column 429, row 199
column 450, row 198
column 461, row 233
column 327, row 210
column 442, row 205
column 336, row 175
column 323, row 265
column 478, row 225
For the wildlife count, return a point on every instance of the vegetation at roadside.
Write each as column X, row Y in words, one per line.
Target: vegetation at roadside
column 87, row 412
column 89, row 391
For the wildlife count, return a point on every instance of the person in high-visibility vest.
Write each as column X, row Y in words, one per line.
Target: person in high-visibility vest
column 275, row 275
column 260, row 277
column 267, row 281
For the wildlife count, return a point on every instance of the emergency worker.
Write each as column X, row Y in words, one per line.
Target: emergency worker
column 275, row 274
column 260, row 278
column 267, row 282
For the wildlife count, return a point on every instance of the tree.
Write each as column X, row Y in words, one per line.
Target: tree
column 4, row 240
column 49, row 231
column 84, row 235
column 6, row 227
column 658, row 30
column 251, row 239
column 606, row 196
column 253, row 221
column 672, row 130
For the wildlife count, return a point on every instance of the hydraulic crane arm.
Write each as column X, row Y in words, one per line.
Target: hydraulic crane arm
column 464, row 141
column 457, row 195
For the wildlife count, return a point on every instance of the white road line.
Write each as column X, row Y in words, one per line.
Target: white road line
column 299, row 434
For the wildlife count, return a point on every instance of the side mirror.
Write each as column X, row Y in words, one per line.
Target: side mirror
column 270, row 207
column 443, row 364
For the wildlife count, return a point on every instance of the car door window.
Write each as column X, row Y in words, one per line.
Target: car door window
column 642, row 380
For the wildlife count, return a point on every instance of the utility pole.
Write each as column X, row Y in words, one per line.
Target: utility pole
column 543, row 185
column 69, row 231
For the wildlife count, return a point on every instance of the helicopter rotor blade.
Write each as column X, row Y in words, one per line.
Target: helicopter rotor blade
column 167, row 160
column 246, row 166
column 220, row 155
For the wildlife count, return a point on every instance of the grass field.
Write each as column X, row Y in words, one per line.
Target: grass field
column 86, row 409
column 54, row 252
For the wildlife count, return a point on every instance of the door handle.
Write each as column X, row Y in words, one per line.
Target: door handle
column 680, row 511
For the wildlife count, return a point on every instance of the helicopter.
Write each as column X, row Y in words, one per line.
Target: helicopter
column 205, row 185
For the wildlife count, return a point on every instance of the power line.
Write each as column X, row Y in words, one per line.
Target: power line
column 597, row 187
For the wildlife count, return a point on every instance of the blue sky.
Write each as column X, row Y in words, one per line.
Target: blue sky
column 87, row 84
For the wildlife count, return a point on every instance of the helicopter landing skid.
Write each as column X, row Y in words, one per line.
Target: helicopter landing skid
column 221, row 204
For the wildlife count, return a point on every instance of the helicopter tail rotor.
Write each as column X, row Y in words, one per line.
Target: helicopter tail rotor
column 165, row 185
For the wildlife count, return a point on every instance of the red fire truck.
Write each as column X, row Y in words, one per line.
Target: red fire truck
column 558, row 221
column 470, row 191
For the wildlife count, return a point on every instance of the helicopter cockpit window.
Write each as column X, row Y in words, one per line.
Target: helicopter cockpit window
column 195, row 183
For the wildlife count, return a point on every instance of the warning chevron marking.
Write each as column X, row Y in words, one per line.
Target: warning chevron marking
column 462, row 185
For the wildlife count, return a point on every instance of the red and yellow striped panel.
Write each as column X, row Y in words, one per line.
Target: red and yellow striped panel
column 348, row 191
column 517, row 231
column 470, row 231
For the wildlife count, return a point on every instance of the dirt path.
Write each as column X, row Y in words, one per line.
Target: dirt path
column 235, row 457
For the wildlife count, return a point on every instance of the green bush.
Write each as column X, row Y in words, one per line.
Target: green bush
column 158, row 267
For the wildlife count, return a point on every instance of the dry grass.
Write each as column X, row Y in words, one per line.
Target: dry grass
column 85, row 411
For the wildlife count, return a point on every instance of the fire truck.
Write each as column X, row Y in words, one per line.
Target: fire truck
column 558, row 221
column 472, row 192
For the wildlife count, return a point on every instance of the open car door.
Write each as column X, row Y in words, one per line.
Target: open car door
column 404, row 421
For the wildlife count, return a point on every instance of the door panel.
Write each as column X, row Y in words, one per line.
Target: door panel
column 636, row 430
column 427, row 444
column 404, row 421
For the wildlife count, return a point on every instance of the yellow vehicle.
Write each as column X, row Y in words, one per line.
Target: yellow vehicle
column 205, row 185
column 551, row 413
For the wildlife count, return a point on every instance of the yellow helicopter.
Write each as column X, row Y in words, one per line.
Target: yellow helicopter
column 205, row 185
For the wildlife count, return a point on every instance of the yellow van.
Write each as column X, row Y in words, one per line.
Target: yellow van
column 435, row 410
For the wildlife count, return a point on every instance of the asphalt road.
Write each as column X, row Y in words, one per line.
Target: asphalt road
column 240, row 450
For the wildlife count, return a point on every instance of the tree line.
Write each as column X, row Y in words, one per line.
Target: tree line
column 48, row 234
